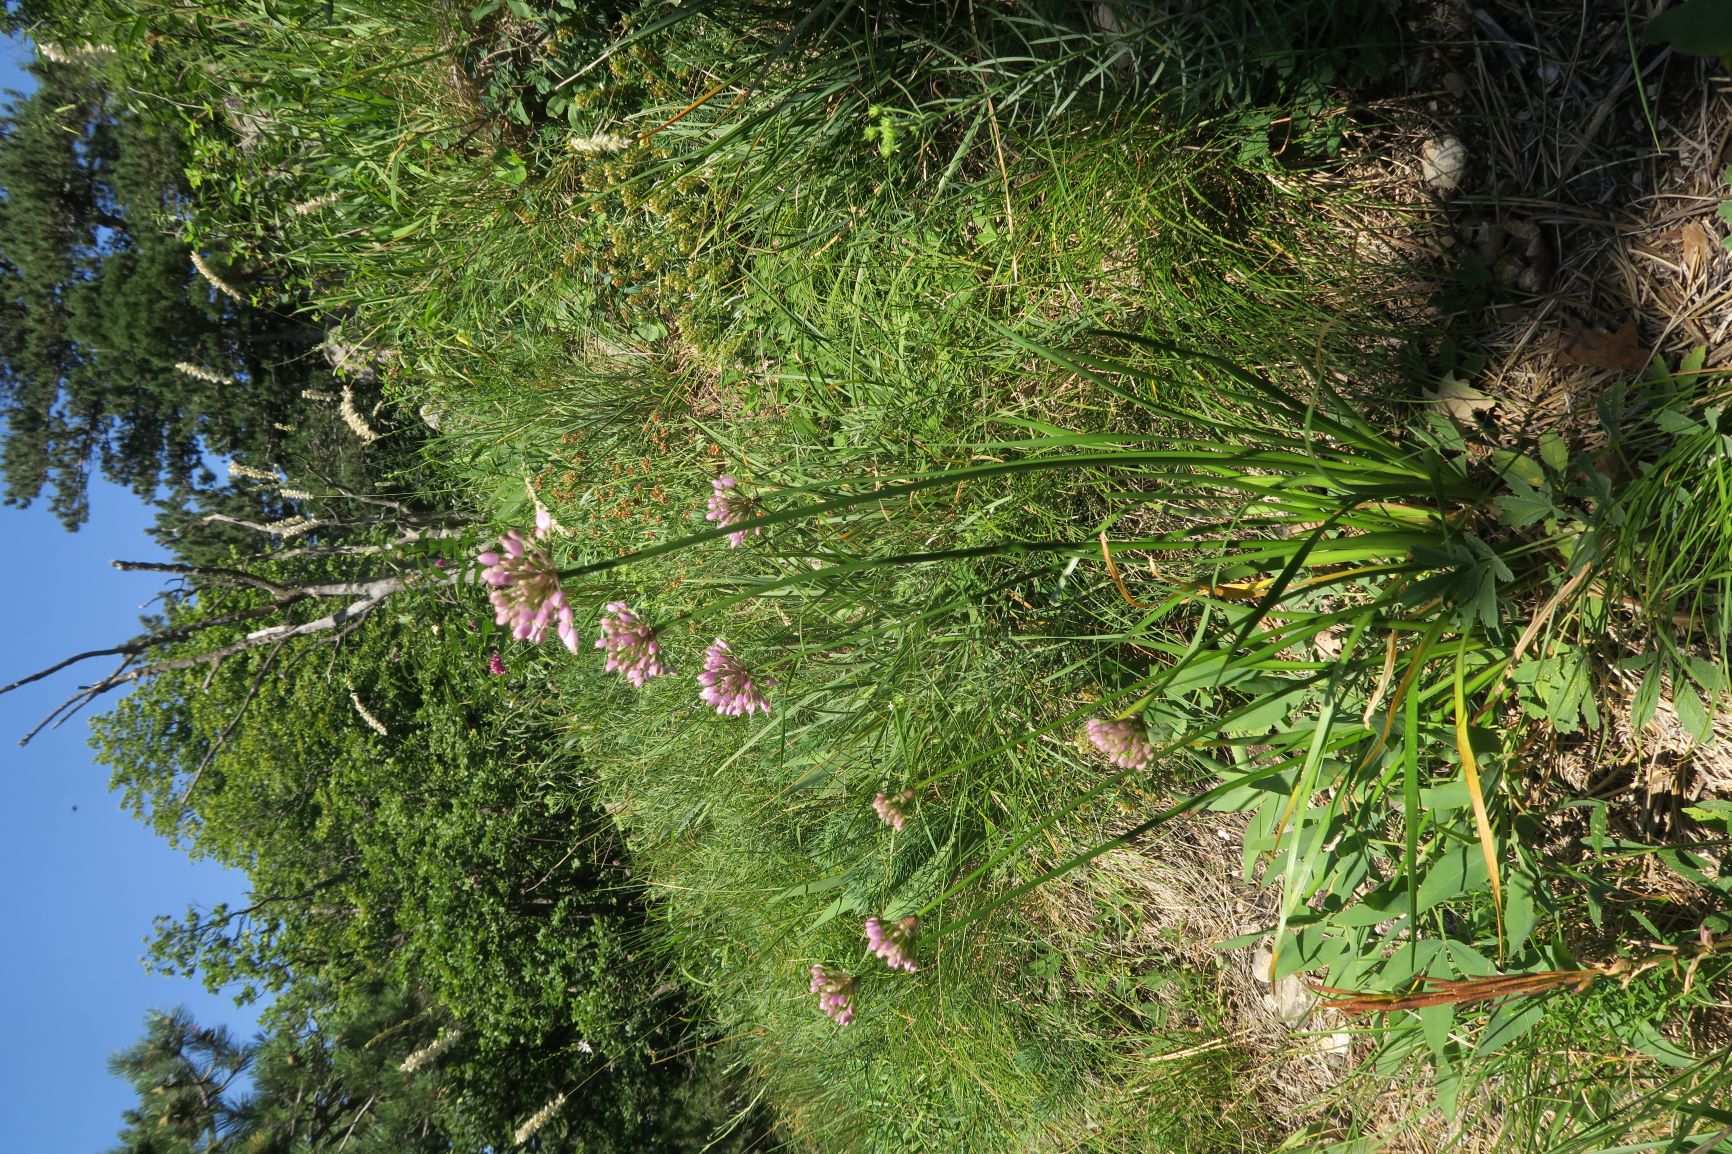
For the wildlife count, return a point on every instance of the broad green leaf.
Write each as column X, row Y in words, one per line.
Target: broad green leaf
column 1469, row 962
column 1523, row 505
column 1458, row 871
column 1554, row 452
column 1520, row 913
column 1646, row 1037
column 1518, row 467
column 1699, row 27
column 1437, row 1021
column 1692, row 714
column 1313, row 948
column 1677, row 424
column 1509, row 1021
column 1647, row 697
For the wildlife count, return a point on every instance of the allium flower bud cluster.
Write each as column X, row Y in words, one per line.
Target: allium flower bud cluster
column 1122, row 742
column 526, row 593
column 727, row 506
column 835, row 991
column 631, row 645
column 544, row 522
column 496, row 664
column 896, row 944
column 891, row 808
column 728, row 685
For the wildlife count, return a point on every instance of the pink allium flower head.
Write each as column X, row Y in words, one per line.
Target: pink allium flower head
column 727, row 684
column 835, row 991
column 892, row 808
column 729, row 507
column 896, row 944
column 496, row 664
column 1122, row 742
column 526, row 593
column 632, row 648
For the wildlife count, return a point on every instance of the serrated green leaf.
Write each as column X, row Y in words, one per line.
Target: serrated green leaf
column 1677, row 424
column 1523, row 505
column 1518, row 466
column 1710, row 809
column 1647, row 697
column 1692, row 714
column 1554, row 452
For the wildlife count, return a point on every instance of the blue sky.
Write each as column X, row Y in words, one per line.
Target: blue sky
column 84, row 880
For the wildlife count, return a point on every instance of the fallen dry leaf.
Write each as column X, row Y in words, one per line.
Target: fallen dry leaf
column 1460, row 401
column 1617, row 352
column 1697, row 245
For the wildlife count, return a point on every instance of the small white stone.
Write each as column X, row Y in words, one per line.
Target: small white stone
column 1337, row 1047
column 1442, row 164
column 1293, row 999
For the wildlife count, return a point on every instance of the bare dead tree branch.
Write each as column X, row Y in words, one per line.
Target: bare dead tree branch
column 214, row 573
column 161, row 638
column 364, row 595
column 367, row 550
column 272, row 530
column 267, row 530
column 70, row 707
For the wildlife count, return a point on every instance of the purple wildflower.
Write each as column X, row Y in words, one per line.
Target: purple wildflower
column 632, row 648
column 1122, row 742
column 896, row 944
column 729, row 507
column 526, row 593
column 728, row 685
column 835, row 991
column 496, row 664
column 891, row 808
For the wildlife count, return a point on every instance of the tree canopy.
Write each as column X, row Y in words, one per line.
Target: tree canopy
column 121, row 348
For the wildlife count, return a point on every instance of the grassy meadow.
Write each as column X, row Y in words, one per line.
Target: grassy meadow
column 1119, row 363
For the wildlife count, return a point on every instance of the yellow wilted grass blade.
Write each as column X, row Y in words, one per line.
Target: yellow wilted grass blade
column 1470, row 769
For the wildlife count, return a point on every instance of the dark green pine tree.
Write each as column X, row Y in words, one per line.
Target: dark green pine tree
column 185, row 1075
column 327, row 1076
column 102, row 312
